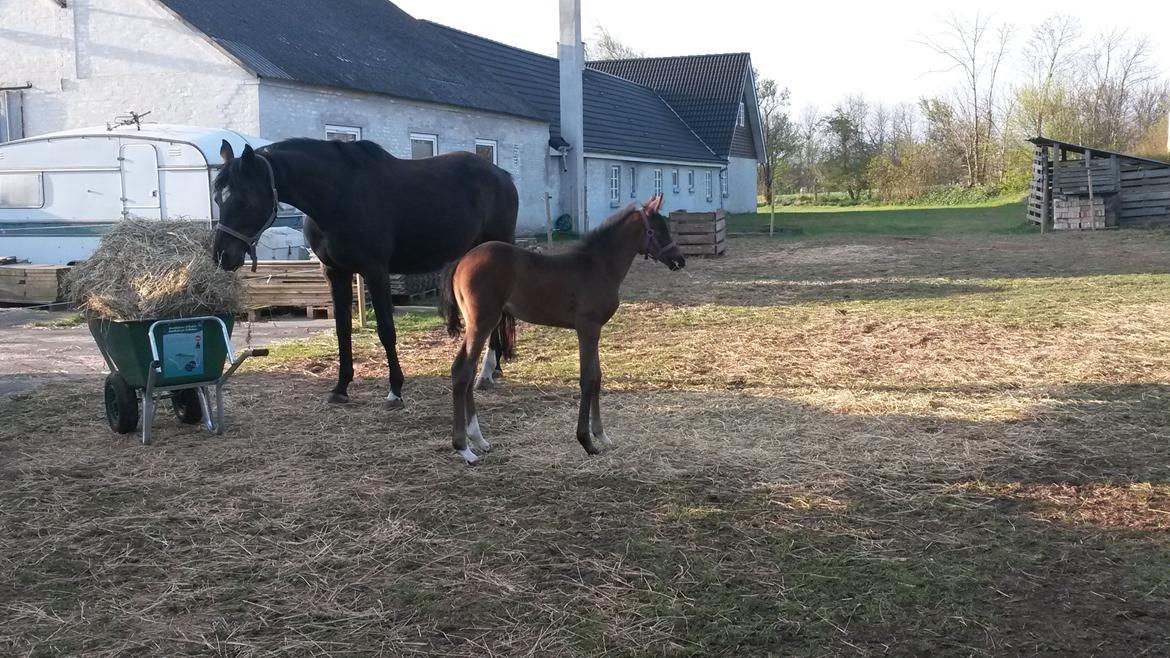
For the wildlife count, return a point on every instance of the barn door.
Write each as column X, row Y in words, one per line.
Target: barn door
column 140, row 194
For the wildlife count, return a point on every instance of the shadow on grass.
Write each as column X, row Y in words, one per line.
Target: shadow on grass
column 724, row 522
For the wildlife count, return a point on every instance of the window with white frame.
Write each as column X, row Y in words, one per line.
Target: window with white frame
column 342, row 133
column 674, row 180
column 615, row 185
column 22, row 190
column 710, row 187
column 657, row 182
column 486, row 149
column 691, row 181
column 723, row 183
column 423, row 145
column 741, row 120
column 633, row 182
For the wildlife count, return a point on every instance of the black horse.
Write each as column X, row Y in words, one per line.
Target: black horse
column 368, row 213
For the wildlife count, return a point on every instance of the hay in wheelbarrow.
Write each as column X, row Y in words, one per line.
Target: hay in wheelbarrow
column 154, row 269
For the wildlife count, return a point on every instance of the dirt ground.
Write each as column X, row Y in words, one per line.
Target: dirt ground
column 870, row 446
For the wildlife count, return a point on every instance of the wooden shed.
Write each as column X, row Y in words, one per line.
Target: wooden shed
column 1079, row 187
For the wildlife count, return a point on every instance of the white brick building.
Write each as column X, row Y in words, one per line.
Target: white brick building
column 370, row 71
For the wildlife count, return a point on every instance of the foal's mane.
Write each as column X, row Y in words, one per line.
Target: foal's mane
column 607, row 227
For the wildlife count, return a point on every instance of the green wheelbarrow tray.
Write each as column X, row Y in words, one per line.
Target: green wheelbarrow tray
column 181, row 359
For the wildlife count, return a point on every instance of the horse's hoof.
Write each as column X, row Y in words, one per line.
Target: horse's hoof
column 391, row 405
column 592, row 450
column 484, row 384
column 338, row 398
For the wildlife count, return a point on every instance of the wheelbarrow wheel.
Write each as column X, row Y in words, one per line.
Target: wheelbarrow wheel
column 121, row 404
column 187, row 407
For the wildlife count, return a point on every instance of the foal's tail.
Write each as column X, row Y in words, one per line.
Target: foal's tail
column 503, row 340
column 448, row 309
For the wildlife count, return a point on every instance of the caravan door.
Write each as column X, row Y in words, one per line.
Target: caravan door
column 140, row 189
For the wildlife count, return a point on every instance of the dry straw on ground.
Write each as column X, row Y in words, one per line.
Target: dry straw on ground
column 148, row 269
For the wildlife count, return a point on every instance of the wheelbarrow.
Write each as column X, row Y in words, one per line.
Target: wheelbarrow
column 179, row 359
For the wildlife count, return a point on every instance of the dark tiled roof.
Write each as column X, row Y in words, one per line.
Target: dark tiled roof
column 705, row 90
column 361, row 45
column 621, row 117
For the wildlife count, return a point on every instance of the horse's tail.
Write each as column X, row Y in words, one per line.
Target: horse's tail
column 503, row 339
column 448, row 309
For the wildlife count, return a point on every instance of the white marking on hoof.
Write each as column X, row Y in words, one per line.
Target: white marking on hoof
column 476, row 435
column 468, row 456
column 487, row 368
column 390, row 397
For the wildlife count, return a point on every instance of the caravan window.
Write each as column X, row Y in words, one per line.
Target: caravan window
column 22, row 190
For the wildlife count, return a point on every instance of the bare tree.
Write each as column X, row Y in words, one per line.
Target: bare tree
column 1050, row 58
column 605, row 46
column 977, row 49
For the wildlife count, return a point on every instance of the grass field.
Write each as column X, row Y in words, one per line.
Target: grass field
column 883, row 442
column 993, row 218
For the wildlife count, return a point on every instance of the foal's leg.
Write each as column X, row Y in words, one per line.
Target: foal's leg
column 587, row 337
column 466, row 422
column 595, row 426
column 379, row 284
column 341, row 287
column 489, row 367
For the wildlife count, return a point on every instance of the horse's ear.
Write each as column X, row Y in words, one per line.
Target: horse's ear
column 226, row 152
column 249, row 155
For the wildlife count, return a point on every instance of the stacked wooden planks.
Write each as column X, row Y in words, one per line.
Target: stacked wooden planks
column 302, row 284
column 699, row 233
column 1145, row 194
column 32, row 284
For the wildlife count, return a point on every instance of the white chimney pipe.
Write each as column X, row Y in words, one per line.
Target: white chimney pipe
column 572, row 58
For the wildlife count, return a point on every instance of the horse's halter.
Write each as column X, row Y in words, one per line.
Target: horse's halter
column 252, row 240
column 650, row 246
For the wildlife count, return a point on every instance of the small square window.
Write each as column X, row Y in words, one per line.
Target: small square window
column 486, row 149
column 22, row 190
column 423, row 145
column 343, row 133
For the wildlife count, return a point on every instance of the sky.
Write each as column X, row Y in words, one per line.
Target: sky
column 821, row 51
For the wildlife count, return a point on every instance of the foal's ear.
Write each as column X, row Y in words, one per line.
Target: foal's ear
column 654, row 203
column 226, row 152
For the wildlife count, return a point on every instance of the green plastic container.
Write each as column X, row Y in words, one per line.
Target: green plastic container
column 189, row 352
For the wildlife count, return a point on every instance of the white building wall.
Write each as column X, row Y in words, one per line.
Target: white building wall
column 599, row 206
column 97, row 59
column 741, row 185
column 521, row 145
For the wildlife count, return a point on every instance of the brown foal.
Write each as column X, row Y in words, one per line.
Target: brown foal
column 497, row 283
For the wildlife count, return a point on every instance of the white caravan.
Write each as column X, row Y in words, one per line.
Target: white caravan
column 60, row 191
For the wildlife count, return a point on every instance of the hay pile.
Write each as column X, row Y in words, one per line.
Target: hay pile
column 152, row 269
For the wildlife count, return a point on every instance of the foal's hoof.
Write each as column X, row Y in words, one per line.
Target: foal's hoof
column 392, row 404
column 338, row 398
column 592, row 450
column 484, row 384
column 468, row 456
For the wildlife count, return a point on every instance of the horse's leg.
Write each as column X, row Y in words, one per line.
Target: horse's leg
column 596, row 428
column 587, row 337
column 379, row 284
column 341, row 287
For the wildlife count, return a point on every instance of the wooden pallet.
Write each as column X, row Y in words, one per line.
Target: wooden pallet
column 32, row 284
column 302, row 284
column 699, row 233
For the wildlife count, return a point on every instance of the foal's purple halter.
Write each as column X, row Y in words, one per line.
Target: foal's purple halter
column 650, row 240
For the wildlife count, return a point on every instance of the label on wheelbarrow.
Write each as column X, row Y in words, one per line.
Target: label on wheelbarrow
column 182, row 351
